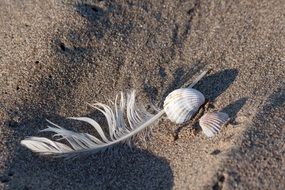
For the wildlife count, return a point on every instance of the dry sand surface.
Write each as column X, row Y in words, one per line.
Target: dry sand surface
column 57, row 55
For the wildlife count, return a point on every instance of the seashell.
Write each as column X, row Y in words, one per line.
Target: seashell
column 181, row 104
column 211, row 123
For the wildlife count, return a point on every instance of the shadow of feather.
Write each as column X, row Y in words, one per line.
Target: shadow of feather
column 215, row 84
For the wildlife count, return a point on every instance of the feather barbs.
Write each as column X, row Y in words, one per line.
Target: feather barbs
column 45, row 146
column 119, row 130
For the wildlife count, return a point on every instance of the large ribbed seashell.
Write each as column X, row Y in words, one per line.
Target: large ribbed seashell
column 211, row 123
column 181, row 104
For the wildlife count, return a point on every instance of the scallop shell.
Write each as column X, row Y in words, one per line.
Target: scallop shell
column 211, row 123
column 181, row 104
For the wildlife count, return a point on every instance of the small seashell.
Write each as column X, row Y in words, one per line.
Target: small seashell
column 181, row 104
column 212, row 122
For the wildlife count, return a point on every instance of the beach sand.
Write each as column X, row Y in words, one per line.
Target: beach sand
column 57, row 55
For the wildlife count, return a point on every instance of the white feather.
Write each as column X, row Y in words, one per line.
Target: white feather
column 119, row 131
column 83, row 143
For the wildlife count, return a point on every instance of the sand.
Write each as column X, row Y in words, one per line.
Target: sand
column 55, row 56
